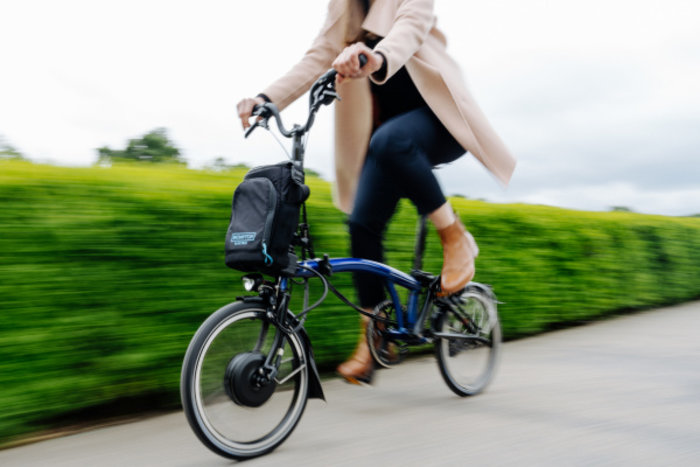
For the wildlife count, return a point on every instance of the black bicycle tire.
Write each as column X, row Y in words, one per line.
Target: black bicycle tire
column 187, row 390
column 494, row 354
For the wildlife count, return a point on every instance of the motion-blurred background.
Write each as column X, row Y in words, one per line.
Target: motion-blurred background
column 120, row 151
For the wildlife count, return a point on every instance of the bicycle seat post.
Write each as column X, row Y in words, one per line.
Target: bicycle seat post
column 420, row 244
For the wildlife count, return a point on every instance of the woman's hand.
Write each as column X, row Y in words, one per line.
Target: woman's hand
column 245, row 109
column 347, row 64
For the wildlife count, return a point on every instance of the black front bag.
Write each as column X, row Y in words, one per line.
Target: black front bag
column 264, row 218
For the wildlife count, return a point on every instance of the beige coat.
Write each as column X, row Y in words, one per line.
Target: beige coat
column 411, row 40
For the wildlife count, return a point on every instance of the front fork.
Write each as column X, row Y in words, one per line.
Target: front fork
column 284, row 322
column 277, row 304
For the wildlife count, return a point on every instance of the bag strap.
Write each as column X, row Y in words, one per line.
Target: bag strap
column 297, row 174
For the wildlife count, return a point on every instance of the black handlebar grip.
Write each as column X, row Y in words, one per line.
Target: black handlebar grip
column 363, row 60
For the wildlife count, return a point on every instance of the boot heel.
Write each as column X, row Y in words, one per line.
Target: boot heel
column 459, row 250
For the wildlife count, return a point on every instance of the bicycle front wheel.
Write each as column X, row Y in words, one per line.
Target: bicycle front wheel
column 227, row 406
column 468, row 341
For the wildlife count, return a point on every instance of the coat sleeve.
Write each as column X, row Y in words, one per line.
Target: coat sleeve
column 413, row 21
column 325, row 47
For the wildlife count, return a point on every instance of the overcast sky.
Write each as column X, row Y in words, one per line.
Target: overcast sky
column 598, row 100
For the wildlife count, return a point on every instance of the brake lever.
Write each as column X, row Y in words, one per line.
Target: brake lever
column 258, row 123
column 264, row 114
column 324, row 93
column 329, row 96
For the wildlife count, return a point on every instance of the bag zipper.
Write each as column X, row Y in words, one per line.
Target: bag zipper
column 271, row 208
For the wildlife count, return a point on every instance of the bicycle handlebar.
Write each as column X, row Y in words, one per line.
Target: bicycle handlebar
column 322, row 93
column 265, row 111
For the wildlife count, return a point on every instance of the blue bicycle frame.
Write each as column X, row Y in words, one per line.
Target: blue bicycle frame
column 409, row 322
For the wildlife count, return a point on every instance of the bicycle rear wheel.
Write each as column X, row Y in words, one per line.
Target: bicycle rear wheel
column 468, row 341
column 226, row 405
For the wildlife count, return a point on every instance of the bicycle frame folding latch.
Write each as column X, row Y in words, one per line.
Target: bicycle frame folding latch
column 324, row 266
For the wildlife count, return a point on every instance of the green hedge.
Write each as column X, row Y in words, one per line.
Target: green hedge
column 105, row 274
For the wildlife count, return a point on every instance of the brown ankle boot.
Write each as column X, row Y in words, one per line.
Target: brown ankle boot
column 459, row 250
column 359, row 368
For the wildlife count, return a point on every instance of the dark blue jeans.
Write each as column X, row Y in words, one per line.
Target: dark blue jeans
column 400, row 160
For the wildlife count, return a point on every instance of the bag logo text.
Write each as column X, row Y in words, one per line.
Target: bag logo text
column 242, row 238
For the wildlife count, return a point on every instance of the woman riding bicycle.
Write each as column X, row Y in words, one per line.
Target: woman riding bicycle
column 406, row 111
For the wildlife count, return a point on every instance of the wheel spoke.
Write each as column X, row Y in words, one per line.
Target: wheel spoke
column 291, row 375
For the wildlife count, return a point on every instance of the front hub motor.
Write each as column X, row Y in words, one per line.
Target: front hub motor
column 244, row 383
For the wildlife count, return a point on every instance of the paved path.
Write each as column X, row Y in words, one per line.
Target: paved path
column 619, row 392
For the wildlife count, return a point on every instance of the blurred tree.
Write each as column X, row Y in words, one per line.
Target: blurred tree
column 7, row 151
column 220, row 164
column 621, row 209
column 154, row 146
